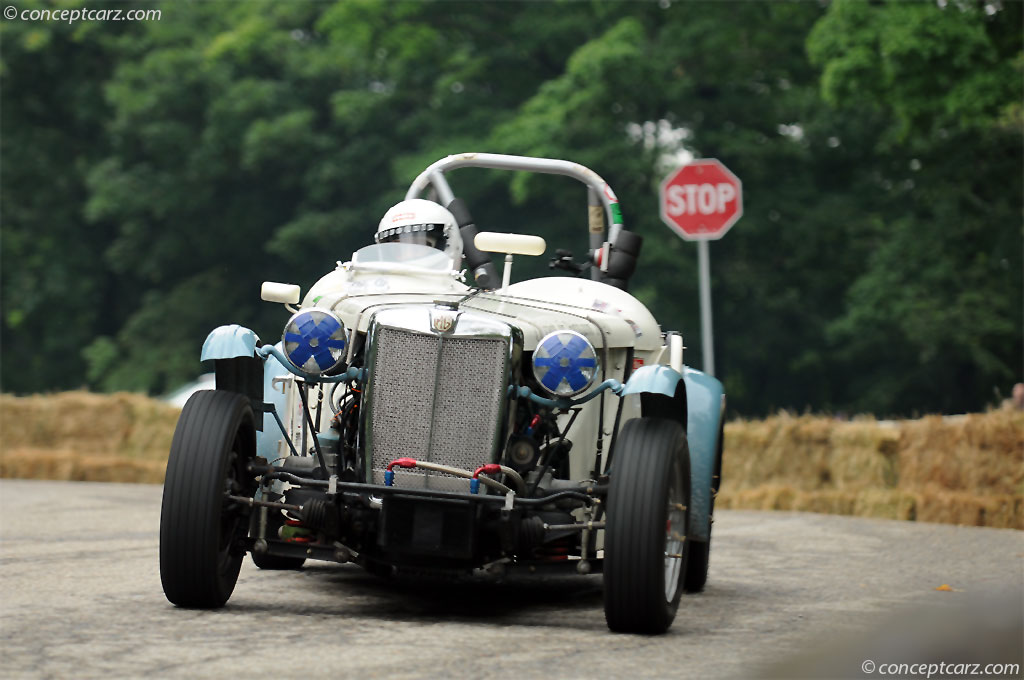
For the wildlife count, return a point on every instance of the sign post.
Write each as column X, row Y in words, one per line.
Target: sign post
column 700, row 201
column 707, row 340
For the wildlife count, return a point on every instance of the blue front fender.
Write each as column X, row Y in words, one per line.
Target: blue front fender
column 232, row 342
column 657, row 379
column 703, row 418
column 704, row 427
column 229, row 342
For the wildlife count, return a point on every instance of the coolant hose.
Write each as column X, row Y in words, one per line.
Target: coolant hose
column 457, row 472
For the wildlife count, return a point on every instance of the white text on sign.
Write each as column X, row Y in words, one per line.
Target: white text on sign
column 704, row 199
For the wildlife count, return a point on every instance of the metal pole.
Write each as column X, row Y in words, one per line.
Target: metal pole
column 706, row 334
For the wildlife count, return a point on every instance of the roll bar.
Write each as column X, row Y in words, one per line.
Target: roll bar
column 599, row 194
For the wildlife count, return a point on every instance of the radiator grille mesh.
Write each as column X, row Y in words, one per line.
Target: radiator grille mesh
column 436, row 399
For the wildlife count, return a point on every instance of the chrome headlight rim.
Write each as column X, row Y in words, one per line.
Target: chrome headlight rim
column 314, row 341
column 565, row 363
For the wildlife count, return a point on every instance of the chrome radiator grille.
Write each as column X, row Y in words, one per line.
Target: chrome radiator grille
column 435, row 398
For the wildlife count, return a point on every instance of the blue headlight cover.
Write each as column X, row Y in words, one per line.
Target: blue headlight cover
column 564, row 363
column 314, row 340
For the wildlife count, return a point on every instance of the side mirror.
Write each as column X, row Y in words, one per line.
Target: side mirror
column 510, row 244
column 285, row 293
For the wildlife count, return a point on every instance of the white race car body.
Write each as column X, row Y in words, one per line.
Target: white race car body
column 411, row 421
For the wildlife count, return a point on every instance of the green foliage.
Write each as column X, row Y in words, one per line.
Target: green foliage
column 930, row 65
column 154, row 173
column 937, row 307
column 55, row 289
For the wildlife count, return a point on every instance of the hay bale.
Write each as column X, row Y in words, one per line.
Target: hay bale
column 69, row 465
column 1004, row 511
column 980, row 453
column 809, row 453
column 960, row 470
column 885, row 504
column 122, row 424
column 787, row 449
column 114, row 469
column 862, row 455
column 830, row 501
column 86, row 437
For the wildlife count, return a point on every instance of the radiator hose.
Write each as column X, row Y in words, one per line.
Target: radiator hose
column 457, row 472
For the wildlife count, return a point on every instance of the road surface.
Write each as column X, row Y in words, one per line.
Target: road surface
column 789, row 594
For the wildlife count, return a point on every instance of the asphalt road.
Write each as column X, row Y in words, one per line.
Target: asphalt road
column 790, row 594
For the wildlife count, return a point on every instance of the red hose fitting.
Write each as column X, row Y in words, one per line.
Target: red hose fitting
column 533, row 424
column 489, row 469
column 389, row 474
column 402, row 462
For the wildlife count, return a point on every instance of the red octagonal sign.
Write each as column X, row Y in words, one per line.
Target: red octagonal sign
column 700, row 201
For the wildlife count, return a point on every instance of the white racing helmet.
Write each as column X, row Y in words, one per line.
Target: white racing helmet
column 422, row 222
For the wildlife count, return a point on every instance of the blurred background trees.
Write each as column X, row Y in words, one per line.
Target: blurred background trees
column 154, row 173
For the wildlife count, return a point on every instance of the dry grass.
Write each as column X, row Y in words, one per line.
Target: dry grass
column 964, row 470
column 960, row 470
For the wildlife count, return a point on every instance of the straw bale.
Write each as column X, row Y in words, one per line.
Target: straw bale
column 979, row 453
column 122, row 424
column 810, row 453
column 862, row 454
column 961, row 470
column 1005, row 511
column 68, row 465
column 886, row 504
column 788, row 449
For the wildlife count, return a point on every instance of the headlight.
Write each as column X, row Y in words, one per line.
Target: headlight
column 564, row 363
column 314, row 340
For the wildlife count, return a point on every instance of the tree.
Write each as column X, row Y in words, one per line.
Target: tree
column 937, row 308
column 56, row 292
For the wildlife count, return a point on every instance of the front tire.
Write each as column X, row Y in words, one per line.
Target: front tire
column 202, row 534
column 648, row 514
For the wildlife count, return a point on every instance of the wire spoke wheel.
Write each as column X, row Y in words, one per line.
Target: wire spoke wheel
column 646, row 548
column 675, row 536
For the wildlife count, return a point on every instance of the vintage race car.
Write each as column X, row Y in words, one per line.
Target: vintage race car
column 414, row 424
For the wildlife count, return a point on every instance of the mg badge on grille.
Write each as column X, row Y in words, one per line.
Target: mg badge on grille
column 442, row 321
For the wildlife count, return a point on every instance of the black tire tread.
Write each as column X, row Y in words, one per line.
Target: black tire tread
column 193, row 499
column 634, row 584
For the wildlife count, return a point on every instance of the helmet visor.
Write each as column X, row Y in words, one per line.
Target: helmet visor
column 432, row 235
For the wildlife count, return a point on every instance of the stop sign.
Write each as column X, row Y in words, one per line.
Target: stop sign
column 701, row 200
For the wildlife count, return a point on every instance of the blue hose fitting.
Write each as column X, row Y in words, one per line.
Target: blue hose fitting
column 389, row 478
column 474, row 485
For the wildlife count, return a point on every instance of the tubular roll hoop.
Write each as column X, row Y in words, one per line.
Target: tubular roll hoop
column 599, row 189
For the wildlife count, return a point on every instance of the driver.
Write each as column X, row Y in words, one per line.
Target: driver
column 421, row 222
